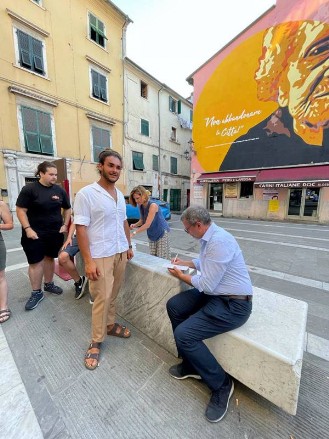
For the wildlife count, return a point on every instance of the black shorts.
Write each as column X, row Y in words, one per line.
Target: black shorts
column 48, row 244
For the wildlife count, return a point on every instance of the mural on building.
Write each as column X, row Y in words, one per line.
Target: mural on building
column 267, row 103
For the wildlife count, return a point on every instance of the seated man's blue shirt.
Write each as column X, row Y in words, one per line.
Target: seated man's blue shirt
column 221, row 264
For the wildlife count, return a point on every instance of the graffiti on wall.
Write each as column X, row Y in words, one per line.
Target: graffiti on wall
column 267, row 103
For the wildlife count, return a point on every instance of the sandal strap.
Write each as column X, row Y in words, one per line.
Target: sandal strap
column 92, row 356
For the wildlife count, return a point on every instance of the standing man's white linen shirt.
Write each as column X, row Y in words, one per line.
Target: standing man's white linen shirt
column 97, row 210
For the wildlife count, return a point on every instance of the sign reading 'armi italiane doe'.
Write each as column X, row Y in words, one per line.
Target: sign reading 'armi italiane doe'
column 293, row 184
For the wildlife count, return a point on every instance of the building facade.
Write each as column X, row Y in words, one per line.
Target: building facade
column 261, row 130
column 158, row 123
column 61, row 88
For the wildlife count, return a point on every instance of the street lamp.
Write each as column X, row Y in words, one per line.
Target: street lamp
column 188, row 152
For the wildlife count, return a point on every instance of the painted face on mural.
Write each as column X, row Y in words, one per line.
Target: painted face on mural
column 294, row 71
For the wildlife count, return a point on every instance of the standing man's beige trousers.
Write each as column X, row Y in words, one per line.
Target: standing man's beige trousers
column 104, row 291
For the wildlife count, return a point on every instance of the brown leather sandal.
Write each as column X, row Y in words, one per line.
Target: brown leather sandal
column 4, row 315
column 119, row 331
column 93, row 355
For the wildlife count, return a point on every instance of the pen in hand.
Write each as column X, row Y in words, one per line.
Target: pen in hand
column 175, row 259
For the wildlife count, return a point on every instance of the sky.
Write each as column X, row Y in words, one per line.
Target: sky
column 170, row 39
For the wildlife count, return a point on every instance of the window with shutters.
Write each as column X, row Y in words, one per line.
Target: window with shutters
column 101, row 139
column 99, row 85
column 37, row 131
column 138, row 164
column 97, row 30
column 145, row 127
column 30, row 52
column 173, row 165
column 155, row 162
column 172, row 105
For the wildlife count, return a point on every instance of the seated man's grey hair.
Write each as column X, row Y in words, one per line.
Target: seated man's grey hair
column 194, row 214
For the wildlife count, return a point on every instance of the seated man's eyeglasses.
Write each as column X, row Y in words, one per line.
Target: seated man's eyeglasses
column 188, row 228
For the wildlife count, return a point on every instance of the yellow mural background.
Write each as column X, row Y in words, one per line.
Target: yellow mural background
column 230, row 90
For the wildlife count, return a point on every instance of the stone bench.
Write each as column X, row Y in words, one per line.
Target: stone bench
column 265, row 354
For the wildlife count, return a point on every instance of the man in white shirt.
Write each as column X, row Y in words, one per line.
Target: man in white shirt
column 104, row 241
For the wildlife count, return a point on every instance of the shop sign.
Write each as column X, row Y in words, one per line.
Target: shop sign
column 225, row 179
column 270, row 194
column 293, row 184
column 231, row 190
column 198, row 191
column 273, row 206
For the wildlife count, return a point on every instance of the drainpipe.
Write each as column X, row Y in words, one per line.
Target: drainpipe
column 123, row 56
column 159, row 143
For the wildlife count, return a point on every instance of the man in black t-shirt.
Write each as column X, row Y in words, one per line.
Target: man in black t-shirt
column 39, row 210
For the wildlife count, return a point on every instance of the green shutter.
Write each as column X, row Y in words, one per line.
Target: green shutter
column 30, row 129
column 99, row 89
column 173, row 165
column 45, row 135
column 102, row 85
column 32, row 142
column 37, row 131
column 179, row 107
column 37, row 55
column 155, row 164
column 175, row 199
column 145, row 128
column 138, row 164
column 100, row 28
column 30, row 52
column 93, row 21
column 106, row 139
column 25, row 52
column 46, row 144
column 101, row 141
column 97, row 32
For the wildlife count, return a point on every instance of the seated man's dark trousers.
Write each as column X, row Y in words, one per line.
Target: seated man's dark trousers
column 197, row 316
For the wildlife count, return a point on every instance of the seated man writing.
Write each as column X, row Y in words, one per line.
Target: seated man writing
column 220, row 300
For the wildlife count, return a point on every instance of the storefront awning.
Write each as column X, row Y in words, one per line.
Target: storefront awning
column 227, row 177
column 311, row 176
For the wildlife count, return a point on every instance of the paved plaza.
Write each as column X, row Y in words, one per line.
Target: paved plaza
column 46, row 392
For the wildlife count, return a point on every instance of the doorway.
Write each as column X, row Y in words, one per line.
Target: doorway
column 175, row 199
column 216, row 197
column 304, row 202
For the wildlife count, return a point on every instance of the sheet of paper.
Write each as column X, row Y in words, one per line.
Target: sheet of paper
column 180, row 267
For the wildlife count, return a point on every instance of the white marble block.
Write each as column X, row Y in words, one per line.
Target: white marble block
column 265, row 354
column 143, row 296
